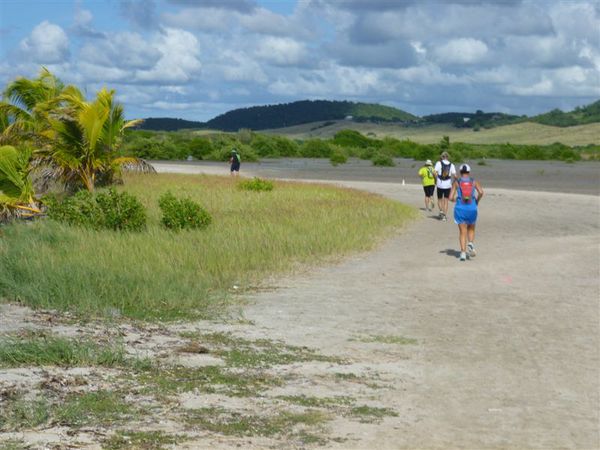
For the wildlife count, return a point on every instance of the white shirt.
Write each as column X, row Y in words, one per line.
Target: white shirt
column 444, row 184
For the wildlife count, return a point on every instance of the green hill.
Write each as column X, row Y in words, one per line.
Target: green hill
column 579, row 116
column 306, row 111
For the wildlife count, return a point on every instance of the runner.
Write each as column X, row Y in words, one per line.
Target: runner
column 427, row 175
column 445, row 174
column 235, row 161
column 467, row 193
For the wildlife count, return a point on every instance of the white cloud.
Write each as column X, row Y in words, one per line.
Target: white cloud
column 125, row 50
column 238, row 66
column 281, row 51
column 47, row 43
column 179, row 62
column 461, row 51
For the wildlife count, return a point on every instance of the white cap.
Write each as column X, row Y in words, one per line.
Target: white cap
column 464, row 168
column 428, row 163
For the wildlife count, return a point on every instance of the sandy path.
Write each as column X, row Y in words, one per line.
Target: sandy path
column 508, row 343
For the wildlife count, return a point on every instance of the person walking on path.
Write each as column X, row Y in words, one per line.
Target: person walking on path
column 427, row 175
column 235, row 161
column 445, row 172
column 467, row 193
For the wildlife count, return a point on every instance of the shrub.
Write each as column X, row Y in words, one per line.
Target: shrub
column 338, row 157
column 316, row 148
column 111, row 209
column 256, row 184
column 380, row 159
column 121, row 211
column 182, row 213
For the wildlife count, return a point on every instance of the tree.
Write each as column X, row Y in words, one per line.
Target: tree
column 27, row 105
column 86, row 140
column 16, row 189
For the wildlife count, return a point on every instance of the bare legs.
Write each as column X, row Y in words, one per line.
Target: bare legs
column 466, row 233
column 462, row 236
column 443, row 205
column 429, row 203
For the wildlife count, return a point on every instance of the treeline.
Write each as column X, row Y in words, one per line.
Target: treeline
column 476, row 120
column 345, row 144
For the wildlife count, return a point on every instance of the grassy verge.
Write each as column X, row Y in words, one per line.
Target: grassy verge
column 159, row 274
column 44, row 350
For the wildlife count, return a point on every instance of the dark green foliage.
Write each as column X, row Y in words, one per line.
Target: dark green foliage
column 306, row 111
column 111, row 209
column 352, row 138
column 316, row 148
column 182, row 213
column 383, row 160
column 200, row 148
column 169, row 124
column 338, row 157
column 473, row 120
column 256, row 184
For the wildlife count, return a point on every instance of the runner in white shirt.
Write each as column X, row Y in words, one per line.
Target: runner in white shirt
column 445, row 174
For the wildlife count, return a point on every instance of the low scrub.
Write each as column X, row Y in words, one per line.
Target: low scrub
column 184, row 213
column 383, row 160
column 111, row 209
column 256, row 184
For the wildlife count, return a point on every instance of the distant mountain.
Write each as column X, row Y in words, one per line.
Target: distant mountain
column 168, row 124
column 306, row 111
column 579, row 116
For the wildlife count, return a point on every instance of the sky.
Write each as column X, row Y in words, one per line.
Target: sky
column 196, row 59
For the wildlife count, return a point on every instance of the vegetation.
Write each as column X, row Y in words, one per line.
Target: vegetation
column 111, row 210
column 55, row 131
column 344, row 144
column 44, row 350
column 179, row 214
column 579, row 116
column 160, row 274
column 256, row 184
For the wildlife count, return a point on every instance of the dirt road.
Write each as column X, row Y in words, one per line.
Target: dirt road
column 507, row 344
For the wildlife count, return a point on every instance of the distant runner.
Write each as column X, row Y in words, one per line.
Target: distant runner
column 467, row 193
column 445, row 174
column 427, row 175
column 235, row 161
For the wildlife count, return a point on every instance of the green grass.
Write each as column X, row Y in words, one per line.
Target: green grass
column 234, row 423
column 13, row 444
column 158, row 274
column 369, row 414
column 76, row 410
column 147, row 440
column 44, row 350
column 521, row 133
column 259, row 353
column 208, row 379
column 317, row 402
column 93, row 408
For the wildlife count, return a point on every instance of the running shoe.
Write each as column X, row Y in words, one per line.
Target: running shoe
column 444, row 218
column 463, row 256
column 471, row 249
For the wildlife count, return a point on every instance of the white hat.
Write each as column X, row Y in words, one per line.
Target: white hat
column 428, row 163
column 464, row 168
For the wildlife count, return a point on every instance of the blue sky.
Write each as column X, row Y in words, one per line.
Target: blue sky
column 195, row 59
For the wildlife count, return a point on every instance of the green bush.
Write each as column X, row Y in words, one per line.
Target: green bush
column 380, row 159
column 256, row 184
column 182, row 213
column 316, row 148
column 338, row 156
column 111, row 209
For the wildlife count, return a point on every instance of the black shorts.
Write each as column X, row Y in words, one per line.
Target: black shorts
column 235, row 167
column 443, row 192
column 429, row 190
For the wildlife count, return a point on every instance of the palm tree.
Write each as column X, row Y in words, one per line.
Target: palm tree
column 16, row 189
column 86, row 141
column 26, row 106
